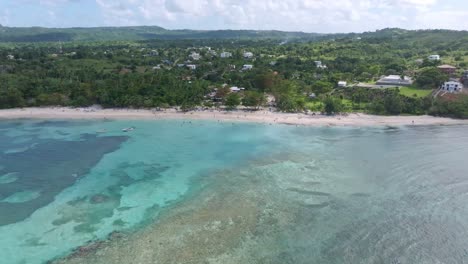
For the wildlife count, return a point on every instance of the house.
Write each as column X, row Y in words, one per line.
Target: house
column 157, row 67
column 236, row 89
column 433, row 57
column 248, row 55
column 225, row 54
column 212, row 52
column 395, row 80
column 272, row 63
column 342, row 84
column 319, row 65
column 191, row 66
column 247, row 67
column 10, row 57
column 195, row 56
column 448, row 69
column 452, row 87
column 153, row 53
column 312, row 96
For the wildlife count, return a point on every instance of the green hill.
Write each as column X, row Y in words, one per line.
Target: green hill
column 39, row 34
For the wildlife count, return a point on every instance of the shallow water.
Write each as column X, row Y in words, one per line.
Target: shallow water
column 232, row 193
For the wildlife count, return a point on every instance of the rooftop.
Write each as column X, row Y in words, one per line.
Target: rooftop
column 446, row 66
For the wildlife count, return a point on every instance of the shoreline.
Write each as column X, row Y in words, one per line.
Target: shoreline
column 260, row 116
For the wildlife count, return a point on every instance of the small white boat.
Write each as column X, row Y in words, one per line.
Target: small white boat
column 102, row 131
column 128, row 129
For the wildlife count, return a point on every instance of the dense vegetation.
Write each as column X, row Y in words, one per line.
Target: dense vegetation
column 38, row 34
column 154, row 73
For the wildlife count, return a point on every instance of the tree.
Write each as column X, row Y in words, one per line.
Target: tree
column 431, row 78
column 253, row 99
column 393, row 104
column 11, row 97
column 232, row 101
column 332, row 105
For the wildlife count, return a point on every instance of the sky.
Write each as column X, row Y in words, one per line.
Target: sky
column 322, row 16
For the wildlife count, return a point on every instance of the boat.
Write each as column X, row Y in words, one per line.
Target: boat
column 128, row 129
column 102, row 131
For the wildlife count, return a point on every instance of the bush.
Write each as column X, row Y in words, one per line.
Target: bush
column 332, row 105
column 232, row 101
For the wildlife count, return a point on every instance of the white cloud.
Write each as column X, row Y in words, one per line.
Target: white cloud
column 5, row 17
column 451, row 19
column 118, row 12
column 294, row 15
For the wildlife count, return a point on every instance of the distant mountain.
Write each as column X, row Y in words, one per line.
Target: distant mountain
column 39, row 34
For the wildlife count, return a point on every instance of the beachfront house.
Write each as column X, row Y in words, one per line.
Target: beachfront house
column 247, row 67
column 396, row 80
column 342, row 84
column 452, row 87
column 248, row 55
column 448, row 69
column 433, row 57
column 192, row 66
column 225, row 54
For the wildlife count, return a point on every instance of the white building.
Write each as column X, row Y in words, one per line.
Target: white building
column 10, row 57
column 247, row 67
column 433, row 57
column 225, row 54
column 395, row 80
column 195, row 56
column 319, row 65
column 157, row 67
column 452, row 87
column 342, row 84
column 248, row 55
column 191, row 66
column 236, row 89
column 212, row 52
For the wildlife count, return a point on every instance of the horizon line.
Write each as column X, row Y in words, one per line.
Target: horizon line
column 231, row 29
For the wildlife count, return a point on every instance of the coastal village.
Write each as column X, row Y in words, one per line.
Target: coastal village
column 297, row 77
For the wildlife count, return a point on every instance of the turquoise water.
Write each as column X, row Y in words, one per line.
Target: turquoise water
column 340, row 195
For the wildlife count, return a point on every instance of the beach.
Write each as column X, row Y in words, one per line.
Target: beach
column 261, row 116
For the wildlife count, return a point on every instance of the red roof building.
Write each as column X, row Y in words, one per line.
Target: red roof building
column 448, row 69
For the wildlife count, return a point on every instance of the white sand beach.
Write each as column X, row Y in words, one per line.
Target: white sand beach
column 261, row 116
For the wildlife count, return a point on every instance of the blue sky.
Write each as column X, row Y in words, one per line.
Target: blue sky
column 293, row 15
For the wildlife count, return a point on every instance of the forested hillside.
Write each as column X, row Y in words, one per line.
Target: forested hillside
column 192, row 72
column 38, row 34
